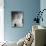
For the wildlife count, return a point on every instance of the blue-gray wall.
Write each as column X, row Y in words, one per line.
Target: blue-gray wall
column 43, row 6
column 29, row 7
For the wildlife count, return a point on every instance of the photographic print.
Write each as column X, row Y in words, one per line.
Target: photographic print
column 17, row 18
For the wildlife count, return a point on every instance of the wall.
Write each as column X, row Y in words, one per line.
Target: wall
column 29, row 7
column 43, row 6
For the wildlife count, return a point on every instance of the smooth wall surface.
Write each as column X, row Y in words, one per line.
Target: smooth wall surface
column 43, row 6
column 29, row 7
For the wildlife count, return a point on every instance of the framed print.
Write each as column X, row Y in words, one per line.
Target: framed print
column 17, row 18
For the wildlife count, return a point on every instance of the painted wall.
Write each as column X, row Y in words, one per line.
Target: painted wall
column 29, row 7
column 43, row 6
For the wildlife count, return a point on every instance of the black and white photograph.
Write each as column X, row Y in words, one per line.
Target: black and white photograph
column 17, row 18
